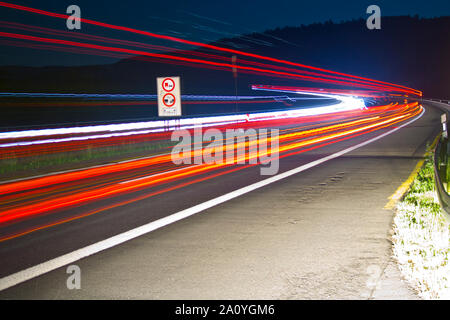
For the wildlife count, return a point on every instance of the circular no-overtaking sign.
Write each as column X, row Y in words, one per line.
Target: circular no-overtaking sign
column 169, row 100
column 168, row 84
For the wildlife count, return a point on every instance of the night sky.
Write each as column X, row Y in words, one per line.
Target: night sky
column 199, row 20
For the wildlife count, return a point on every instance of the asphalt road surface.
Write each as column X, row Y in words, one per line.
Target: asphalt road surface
column 317, row 234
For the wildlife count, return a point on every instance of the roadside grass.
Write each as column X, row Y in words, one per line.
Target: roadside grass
column 44, row 163
column 421, row 237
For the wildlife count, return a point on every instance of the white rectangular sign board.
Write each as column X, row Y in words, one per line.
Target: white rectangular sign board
column 169, row 97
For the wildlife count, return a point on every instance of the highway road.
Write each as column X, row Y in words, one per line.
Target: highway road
column 315, row 230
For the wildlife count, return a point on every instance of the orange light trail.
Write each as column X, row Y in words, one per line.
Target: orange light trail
column 345, row 135
column 133, row 185
column 120, row 167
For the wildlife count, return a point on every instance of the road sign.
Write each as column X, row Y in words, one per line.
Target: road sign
column 168, row 84
column 169, row 98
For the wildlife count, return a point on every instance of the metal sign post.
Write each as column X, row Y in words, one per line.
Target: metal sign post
column 234, row 63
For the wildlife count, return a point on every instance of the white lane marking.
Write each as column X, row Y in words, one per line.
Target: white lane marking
column 76, row 255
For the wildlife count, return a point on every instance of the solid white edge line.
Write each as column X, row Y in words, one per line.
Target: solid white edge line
column 76, row 255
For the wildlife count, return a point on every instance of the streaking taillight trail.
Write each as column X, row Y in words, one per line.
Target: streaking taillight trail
column 40, row 197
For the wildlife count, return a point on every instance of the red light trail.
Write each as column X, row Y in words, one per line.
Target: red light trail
column 50, row 194
column 68, row 196
column 265, row 72
column 376, row 84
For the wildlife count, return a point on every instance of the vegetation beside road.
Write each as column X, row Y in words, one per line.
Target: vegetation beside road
column 421, row 237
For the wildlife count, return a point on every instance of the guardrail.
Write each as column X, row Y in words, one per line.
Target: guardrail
column 442, row 173
column 438, row 100
column 441, row 162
